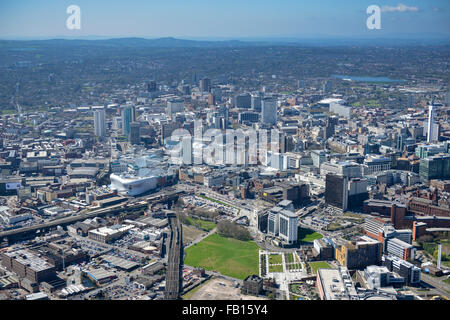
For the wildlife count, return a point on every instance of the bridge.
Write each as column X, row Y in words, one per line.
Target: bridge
column 28, row 233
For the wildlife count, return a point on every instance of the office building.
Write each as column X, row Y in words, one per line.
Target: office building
column 243, row 101
column 99, row 123
column 253, row 285
column 435, row 167
column 256, row 102
column 400, row 249
column 28, row 265
column 135, row 136
column 175, row 106
column 127, row 116
column 269, row 111
column 288, row 226
column 251, row 117
column 335, row 284
column 403, row 268
column 376, row 163
column 430, row 127
column 151, row 86
column 318, row 157
column 205, row 85
column 348, row 169
column 336, row 191
column 359, row 254
column 341, row 110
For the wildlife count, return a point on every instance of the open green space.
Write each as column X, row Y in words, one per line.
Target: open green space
column 289, row 257
column 276, row 268
column 275, row 259
column 202, row 224
column 230, row 257
column 308, row 235
column 319, row 265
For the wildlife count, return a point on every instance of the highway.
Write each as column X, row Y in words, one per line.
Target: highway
column 437, row 284
column 132, row 204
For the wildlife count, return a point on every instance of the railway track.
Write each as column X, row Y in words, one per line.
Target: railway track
column 174, row 280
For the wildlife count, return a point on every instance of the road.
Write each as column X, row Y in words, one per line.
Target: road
column 436, row 283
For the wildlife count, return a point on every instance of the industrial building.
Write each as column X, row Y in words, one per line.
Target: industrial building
column 28, row 265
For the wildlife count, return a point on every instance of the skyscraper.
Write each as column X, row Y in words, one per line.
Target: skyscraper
column 99, row 123
column 205, row 85
column 269, row 111
column 430, row 123
column 256, row 102
column 127, row 115
column 135, row 137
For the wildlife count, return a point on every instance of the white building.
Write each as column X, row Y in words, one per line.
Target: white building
column 99, row 123
column 341, row 110
column 175, row 106
column 288, row 226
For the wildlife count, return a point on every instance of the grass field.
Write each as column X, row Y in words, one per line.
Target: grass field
column 289, row 257
column 202, row 224
column 230, row 257
column 319, row 265
column 275, row 259
column 308, row 235
column 276, row 268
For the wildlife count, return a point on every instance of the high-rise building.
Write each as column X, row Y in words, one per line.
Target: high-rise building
column 430, row 123
column 167, row 129
column 127, row 118
column 99, row 123
column 447, row 99
column 435, row 167
column 243, row 101
column 212, row 99
column 327, row 87
column 151, row 86
column 269, row 111
column 336, row 191
column 330, row 127
column 410, row 101
column 205, row 85
column 256, row 102
column 135, row 137
column 175, row 106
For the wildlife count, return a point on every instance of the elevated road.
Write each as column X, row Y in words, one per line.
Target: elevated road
column 131, row 205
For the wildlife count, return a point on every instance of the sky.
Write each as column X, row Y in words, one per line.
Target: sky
column 226, row 19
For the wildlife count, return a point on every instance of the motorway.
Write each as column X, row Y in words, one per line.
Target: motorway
column 136, row 203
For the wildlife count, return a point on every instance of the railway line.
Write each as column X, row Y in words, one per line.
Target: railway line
column 174, row 280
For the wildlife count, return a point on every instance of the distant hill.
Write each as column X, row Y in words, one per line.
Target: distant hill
column 132, row 42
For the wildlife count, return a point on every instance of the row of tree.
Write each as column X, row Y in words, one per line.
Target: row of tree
column 232, row 230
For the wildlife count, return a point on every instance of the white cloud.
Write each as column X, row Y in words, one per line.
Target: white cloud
column 399, row 8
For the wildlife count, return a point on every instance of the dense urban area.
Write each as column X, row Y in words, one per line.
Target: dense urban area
column 168, row 169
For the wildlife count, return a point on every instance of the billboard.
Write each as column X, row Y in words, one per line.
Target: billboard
column 13, row 185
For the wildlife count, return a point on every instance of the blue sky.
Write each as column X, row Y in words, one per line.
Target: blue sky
column 236, row 19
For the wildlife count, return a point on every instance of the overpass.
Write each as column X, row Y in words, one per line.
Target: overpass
column 27, row 233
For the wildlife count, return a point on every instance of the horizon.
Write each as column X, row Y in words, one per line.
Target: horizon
column 45, row 19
